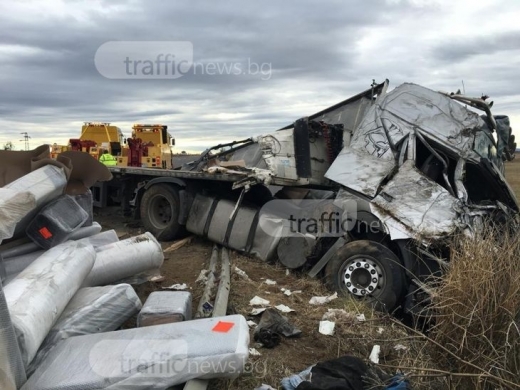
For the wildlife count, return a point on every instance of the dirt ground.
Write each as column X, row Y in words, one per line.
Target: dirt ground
column 292, row 355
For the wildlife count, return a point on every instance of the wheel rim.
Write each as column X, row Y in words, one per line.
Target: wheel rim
column 362, row 276
column 161, row 211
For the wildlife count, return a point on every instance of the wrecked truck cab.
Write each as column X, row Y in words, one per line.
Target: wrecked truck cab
column 426, row 167
column 411, row 167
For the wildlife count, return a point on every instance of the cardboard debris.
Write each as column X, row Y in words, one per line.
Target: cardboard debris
column 179, row 244
column 361, row 317
column 257, row 301
column 374, row 354
column 241, row 273
column 327, row 328
column 203, row 276
column 284, row 308
column 254, row 352
column 257, row 311
column 323, row 300
column 177, row 286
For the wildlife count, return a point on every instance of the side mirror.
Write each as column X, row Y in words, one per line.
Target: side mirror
column 173, row 141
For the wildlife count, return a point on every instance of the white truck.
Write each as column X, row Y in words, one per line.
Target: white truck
column 403, row 170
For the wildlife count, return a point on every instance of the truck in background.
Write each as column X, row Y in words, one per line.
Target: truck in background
column 150, row 146
column 97, row 136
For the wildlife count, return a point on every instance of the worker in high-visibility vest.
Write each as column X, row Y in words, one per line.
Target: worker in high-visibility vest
column 107, row 159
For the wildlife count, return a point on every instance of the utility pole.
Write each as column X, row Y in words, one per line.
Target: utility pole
column 26, row 138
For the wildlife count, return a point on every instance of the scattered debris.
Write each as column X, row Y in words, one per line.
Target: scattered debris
column 288, row 292
column 294, row 381
column 284, row 308
column 257, row 301
column 241, row 273
column 203, row 276
column 270, row 282
column 254, row 352
column 264, row 387
column 177, row 286
column 339, row 315
column 251, row 324
column 327, row 327
column 157, row 279
column 179, row 244
column 374, row 354
column 272, row 326
column 361, row 317
column 400, row 347
column 323, row 300
column 257, row 311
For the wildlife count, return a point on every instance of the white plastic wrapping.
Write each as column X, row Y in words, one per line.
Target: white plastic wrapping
column 14, row 205
column 126, row 258
column 12, row 373
column 91, row 310
column 165, row 307
column 38, row 295
column 151, row 358
column 45, row 184
column 101, row 239
column 15, row 265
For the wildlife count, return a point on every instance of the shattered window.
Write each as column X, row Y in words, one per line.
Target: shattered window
column 485, row 146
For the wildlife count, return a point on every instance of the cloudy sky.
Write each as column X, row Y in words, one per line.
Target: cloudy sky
column 304, row 56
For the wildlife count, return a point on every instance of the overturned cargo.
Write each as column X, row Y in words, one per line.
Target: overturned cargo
column 371, row 182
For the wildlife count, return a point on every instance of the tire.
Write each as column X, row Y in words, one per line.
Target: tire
column 356, row 263
column 160, row 212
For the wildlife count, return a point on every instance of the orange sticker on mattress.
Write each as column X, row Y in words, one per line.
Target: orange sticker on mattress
column 45, row 233
column 223, row 327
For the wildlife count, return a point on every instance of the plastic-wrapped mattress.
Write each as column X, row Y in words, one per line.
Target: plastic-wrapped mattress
column 91, row 310
column 40, row 293
column 15, row 265
column 151, row 358
column 126, row 258
column 45, row 184
column 12, row 373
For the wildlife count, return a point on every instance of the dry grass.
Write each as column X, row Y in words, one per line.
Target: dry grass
column 513, row 174
column 477, row 307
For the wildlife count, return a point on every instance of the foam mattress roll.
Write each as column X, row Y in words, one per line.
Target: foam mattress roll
column 125, row 258
column 15, row 265
column 40, row 293
column 98, row 241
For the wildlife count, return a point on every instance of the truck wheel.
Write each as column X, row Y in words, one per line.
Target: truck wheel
column 160, row 212
column 367, row 270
